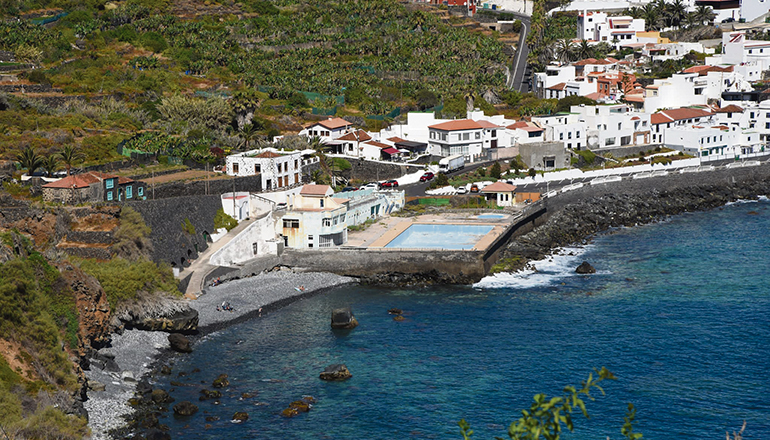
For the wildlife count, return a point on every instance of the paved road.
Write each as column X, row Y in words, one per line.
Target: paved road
column 418, row 189
column 519, row 66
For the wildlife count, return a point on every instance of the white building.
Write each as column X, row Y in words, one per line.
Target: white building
column 681, row 89
column 328, row 129
column 610, row 126
column 567, row 128
column 739, row 51
column 278, row 168
column 462, row 136
column 524, row 132
column 666, row 120
column 600, row 27
column 552, row 76
column 714, row 142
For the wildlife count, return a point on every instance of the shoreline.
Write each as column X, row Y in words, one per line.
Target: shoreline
column 139, row 354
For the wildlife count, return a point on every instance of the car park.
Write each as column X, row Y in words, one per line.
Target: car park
column 426, row 177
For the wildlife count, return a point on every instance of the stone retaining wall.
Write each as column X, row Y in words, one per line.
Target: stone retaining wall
column 198, row 187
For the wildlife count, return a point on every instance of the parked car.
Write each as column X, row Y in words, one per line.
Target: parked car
column 426, row 177
column 474, row 188
column 393, row 183
column 462, row 190
column 372, row 185
column 728, row 20
column 349, row 188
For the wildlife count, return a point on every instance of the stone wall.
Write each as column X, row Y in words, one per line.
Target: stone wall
column 392, row 266
column 368, row 171
column 198, row 187
column 165, row 217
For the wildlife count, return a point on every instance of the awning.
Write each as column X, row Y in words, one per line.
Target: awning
column 391, row 151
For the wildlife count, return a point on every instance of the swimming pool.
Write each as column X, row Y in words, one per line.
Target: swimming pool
column 490, row 216
column 440, row 236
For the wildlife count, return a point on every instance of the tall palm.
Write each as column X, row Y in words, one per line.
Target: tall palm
column 469, row 97
column 583, row 50
column 565, row 50
column 70, row 156
column 677, row 12
column 651, row 15
column 705, row 14
column 247, row 133
column 51, row 164
column 29, row 159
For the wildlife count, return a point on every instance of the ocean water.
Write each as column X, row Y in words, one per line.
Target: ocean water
column 679, row 311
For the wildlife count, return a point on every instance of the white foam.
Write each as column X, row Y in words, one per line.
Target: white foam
column 741, row 201
column 549, row 271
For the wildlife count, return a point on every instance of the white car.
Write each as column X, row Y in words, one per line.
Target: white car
column 462, row 190
column 372, row 185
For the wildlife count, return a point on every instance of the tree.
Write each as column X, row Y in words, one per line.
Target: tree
column 247, row 134
column 50, row 164
column 426, row 99
column 29, row 159
column 70, row 156
column 583, row 50
column 567, row 102
column 532, row 173
column 547, row 418
column 495, row 171
column 705, row 14
column 651, row 15
column 565, row 50
column 469, row 97
column 676, row 12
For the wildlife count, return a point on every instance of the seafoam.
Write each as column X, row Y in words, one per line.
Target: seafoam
column 548, row 271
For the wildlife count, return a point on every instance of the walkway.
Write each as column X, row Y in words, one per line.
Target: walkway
column 201, row 267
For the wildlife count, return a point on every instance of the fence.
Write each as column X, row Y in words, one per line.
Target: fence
column 391, row 115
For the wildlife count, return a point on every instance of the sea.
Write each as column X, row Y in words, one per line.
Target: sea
column 678, row 310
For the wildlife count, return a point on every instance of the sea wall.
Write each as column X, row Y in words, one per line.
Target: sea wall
column 575, row 216
column 171, row 243
column 392, row 266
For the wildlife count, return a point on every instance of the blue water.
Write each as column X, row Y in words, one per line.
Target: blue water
column 440, row 237
column 679, row 311
column 490, row 216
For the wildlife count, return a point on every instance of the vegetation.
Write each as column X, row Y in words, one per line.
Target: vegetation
column 132, row 240
column 224, row 220
column 125, row 280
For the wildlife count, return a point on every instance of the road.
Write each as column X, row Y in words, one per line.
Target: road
column 418, row 189
column 519, row 67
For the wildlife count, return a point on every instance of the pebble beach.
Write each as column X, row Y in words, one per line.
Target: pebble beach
column 135, row 351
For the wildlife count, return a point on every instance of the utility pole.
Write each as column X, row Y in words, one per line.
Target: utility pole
column 153, row 184
column 234, row 197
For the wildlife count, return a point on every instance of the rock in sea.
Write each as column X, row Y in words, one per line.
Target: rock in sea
column 336, row 372
column 160, row 396
column 240, row 417
column 185, row 408
column 585, row 268
column 221, row 381
column 343, row 319
column 179, row 343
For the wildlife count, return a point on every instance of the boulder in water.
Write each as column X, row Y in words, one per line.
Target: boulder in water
column 185, row 408
column 585, row 268
column 343, row 319
column 399, row 318
column 336, row 372
column 179, row 343
column 240, row 417
column 156, row 434
column 210, row 394
column 221, row 381
column 160, row 396
column 395, row 311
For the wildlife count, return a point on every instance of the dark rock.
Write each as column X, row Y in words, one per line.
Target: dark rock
column 150, row 421
column 183, row 321
column 155, row 434
column 179, row 343
column 165, row 370
column 336, row 372
column 196, row 370
column 160, row 396
column 399, row 318
column 300, row 405
column 212, row 418
column 221, row 381
column 210, row 394
column 143, row 387
column 343, row 319
column 245, row 396
column 185, row 408
column 395, row 311
column 96, row 386
column 585, row 268
column 240, row 417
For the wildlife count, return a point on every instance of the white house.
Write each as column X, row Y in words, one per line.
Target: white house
column 567, row 128
column 600, row 27
column 714, row 142
column 552, row 76
column 278, row 168
column 502, row 193
column 314, row 219
column 680, row 90
column 462, row 136
column 665, row 120
column 350, row 144
column 524, row 132
column 610, row 126
column 739, row 51
column 328, row 129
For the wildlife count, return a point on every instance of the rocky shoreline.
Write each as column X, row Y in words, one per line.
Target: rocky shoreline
column 135, row 356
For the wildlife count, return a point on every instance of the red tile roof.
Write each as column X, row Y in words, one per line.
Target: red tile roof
column 732, row 108
column 395, row 139
column 378, row 144
column 487, row 124
column 84, row 180
column 559, row 86
column 358, row 135
column 704, row 70
column 499, row 187
column 315, row 190
column 519, row 124
column 332, row 123
column 460, row 124
column 267, row 155
column 594, row 61
column 678, row 114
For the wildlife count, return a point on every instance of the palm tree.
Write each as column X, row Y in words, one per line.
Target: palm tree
column 583, row 50
column 247, row 133
column 565, row 50
column 677, row 12
column 705, row 14
column 651, row 15
column 70, row 156
column 469, row 97
column 50, row 164
column 29, row 159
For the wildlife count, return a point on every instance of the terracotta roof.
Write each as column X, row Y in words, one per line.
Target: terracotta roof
column 487, row 124
column 595, row 96
column 362, row 136
column 378, row 144
column 732, row 108
column 460, row 124
column 559, row 86
column 267, row 155
column 498, row 187
column 531, row 129
column 519, row 124
column 704, row 70
column 395, row 139
column 84, row 180
column 315, row 190
column 678, row 114
column 332, row 123
column 594, row 61
column 634, row 98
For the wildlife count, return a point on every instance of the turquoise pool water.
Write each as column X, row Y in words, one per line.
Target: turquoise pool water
column 490, row 216
column 440, row 237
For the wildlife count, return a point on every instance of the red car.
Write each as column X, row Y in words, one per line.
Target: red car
column 389, row 184
column 426, row 177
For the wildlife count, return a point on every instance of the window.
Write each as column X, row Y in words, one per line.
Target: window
column 609, row 141
column 494, row 132
column 478, row 135
column 569, row 135
column 309, row 238
column 109, row 195
column 129, row 192
column 578, row 145
column 342, row 218
column 466, row 136
column 336, row 220
column 620, row 125
column 561, row 136
column 235, row 168
column 257, row 168
column 322, row 203
column 291, row 223
column 751, row 115
column 140, row 191
column 296, row 163
column 279, row 167
column 326, row 222
column 577, row 134
column 569, row 145
column 254, row 248
column 109, row 183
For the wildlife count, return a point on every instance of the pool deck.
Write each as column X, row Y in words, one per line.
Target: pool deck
column 378, row 235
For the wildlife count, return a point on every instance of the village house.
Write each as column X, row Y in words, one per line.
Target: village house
column 93, row 187
column 314, row 219
column 601, row 27
column 714, row 142
column 667, row 119
column 563, row 127
column 523, row 132
column 462, row 136
column 278, row 168
column 502, row 193
column 610, row 126
column 327, row 130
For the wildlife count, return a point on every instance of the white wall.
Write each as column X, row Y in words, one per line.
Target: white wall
column 240, row 249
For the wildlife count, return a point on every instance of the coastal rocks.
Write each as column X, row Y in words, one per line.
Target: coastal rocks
column 343, row 319
column 395, row 311
column 96, row 386
column 399, row 318
column 240, row 417
column 336, row 372
column 185, row 408
column 183, row 321
column 127, row 376
column 93, row 309
column 160, row 396
column 179, row 343
column 298, row 406
column 158, row 313
column 156, row 434
column 585, row 268
column 221, row 381
column 210, row 394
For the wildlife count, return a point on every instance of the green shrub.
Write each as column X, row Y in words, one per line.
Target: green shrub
column 442, row 179
column 188, row 227
column 123, row 280
column 154, row 42
column 341, row 164
column 495, row 171
column 223, row 220
column 132, row 239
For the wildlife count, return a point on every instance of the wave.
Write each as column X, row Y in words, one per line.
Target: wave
column 742, row 201
column 548, row 271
